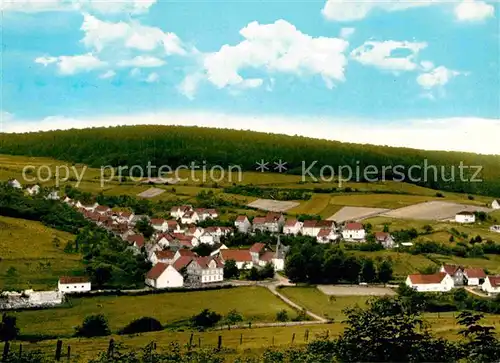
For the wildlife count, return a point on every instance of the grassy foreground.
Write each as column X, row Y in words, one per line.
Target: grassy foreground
column 32, row 255
column 256, row 304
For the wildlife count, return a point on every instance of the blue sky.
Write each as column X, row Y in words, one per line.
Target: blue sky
column 419, row 74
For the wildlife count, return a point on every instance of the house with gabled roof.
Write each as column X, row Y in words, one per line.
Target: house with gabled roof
column 33, row 189
column 163, row 276
column 74, row 284
column 456, row 272
column 190, row 217
column 136, row 240
column 14, row 183
column 385, row 239
column 438, row 282
column 474, row 276
column 159, row 224
column 310, row 228
column 491, row 285
column 102, row 209
column 256, row 250
column 353, row 232
column 178, row 211
column 184, row 253
column 292, row 226
column 326, row 235
column 203, row 270
column 162, row 256
column 88, row 207
column 495, row 204
column 243, row 258
column 242, row 224
column 195, row 231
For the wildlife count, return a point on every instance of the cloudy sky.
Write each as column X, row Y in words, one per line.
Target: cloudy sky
column 408, row 73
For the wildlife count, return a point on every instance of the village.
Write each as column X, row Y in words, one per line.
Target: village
column 169, row 249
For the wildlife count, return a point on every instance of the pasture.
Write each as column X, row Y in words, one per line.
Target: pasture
column 32, row 255
column 355, row 213
column 256, row 304
column 434, row 210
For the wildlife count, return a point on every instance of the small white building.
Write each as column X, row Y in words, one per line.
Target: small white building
column 326, row 235
column 465, row 217
column 385, row 239
column 310, row 228
column 495, row 228
column 474, row 276
column 73, row 284
column 159, row 224
column 190, row 217
column 14, row 183
column 163, row 276
column 292, row 227
column 178, row 211
column 242, row 224
column 439, row 282
column 491, row 285
column 354, row 232
column 207, row 238
column 33, row 190
column 53, row 195
column 495, row 204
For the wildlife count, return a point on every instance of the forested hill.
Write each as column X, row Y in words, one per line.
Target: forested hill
column 177, row 145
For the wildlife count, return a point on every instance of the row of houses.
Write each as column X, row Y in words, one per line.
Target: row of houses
column 451, row 276
column 33, row 189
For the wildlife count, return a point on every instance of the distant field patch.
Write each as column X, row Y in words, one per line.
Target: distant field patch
column 338, row 290
column 434, row 210
column 356, row 213
column 151, row 192
column 272, row 205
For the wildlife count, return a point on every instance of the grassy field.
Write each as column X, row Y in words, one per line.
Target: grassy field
column 314, row 300
column 31, row 257
column 256, row 304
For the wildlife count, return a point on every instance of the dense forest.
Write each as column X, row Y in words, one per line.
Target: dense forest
column 177, row 145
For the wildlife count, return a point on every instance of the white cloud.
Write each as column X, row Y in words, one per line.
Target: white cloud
column 437, row 77
column 100, row 34
column 142, row 61
column 381, row 54
column 427, row 65
column 100, row 6
column 69, row 65
column 108, row 74
column 189, row 85
column 276, row 47
column 459, row 134
column 152, row 78
column 346, row 32
column 351, row 10
column 474, row 10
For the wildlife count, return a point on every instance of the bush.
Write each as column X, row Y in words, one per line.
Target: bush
column 93, row 326
column 282, row 315
column 142, row 325
column 205, row 319
column 8, row 328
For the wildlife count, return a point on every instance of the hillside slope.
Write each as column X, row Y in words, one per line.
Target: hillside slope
column 176, row 145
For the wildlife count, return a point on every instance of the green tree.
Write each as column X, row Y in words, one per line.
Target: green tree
column 144, row 227
column 282, row 315
column 267, row 271
column 481, row 344
column 385, row 271
column 231, row 269
column 368, row 273
column 233, row 317
column 93, row 326
column 142, row 325
column 205, row 319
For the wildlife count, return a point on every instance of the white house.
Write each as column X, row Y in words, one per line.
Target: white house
column 292, row 227
column 190, row 217
column 125, row 217
column 495, row 204
column 178, row 211
column 162, row 256
column 256, row 250
column 53, row 195
column 326, row 235
column 474, row 276
column 33, row 190
column 73, row 284
column 242, row 224
column 385, row 239
column 207, row 238
column 205, row 270
column 310, row 228
column 195, row 231
column 163, row 276
column 465, row 217
column 243, row 258
column 14, row 183
column 87, row 207
column 491, row 285
column 455, row 272
column 439, row 282
column 495, row 228
column 159, row 224
column 354, row 232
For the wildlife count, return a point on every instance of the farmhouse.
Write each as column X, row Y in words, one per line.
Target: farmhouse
column 465, row 217
column 491, row 285
column 243, row 258
column 242, row 224
column 162, row 256
column 385, row 239
column 455, row 272
column 310, row 228
column 163, row 276
column 439, row 282
column 292, row 227
column 495, row 204
column 474, row 276
column 354, row 232
column 73, row 284
column 326, row 235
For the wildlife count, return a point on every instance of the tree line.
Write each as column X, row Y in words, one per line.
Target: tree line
column 177, row 145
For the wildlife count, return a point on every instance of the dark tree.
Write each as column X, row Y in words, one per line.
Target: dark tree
column 385, row 271
column 144, row 227
column 205, row 319
column 8, row 328
column 142, row 325
column 230, row 269
column 93, row 326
